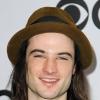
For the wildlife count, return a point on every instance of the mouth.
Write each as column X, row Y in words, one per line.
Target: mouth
column 49, row 82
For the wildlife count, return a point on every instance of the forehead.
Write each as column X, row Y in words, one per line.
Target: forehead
column 51, row 41
column 51, row 36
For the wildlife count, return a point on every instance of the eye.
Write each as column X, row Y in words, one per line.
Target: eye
column 39, row 56
column 77, row 9
column 63, row 58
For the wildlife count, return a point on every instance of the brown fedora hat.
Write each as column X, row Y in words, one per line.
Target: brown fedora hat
column 51, row 19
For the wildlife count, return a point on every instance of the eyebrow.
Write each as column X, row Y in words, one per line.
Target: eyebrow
column 42, row 51
column 37, row 50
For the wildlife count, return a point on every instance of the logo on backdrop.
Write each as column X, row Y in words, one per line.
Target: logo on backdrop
column 96, row 14
column 78, row 10
column 80, row 13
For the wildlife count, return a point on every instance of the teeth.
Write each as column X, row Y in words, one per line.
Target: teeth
column 49, row 80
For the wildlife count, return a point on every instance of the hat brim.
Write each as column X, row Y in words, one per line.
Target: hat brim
column 73, row 32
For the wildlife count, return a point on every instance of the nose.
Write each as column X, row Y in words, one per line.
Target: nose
column 50, row 66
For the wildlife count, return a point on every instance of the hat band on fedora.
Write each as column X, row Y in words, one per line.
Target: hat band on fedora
column 49, row 18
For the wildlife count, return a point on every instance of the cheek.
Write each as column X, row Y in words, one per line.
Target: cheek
column 32, row 69
column 66, row 69
column 65, row 72
column 34, row 66
column 66, row 75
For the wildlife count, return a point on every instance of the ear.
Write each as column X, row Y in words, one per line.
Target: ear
column 74, row 69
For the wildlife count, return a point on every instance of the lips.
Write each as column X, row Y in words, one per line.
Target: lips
column 49, row 82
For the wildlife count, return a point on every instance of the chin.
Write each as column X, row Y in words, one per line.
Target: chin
column 51, row 95
column 48, row 96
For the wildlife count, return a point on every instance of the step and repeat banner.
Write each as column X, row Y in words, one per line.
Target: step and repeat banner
column 14, row 15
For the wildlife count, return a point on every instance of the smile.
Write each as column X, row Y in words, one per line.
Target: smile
column 49, row 82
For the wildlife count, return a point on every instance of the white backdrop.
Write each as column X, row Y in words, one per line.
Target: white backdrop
column 13, row 17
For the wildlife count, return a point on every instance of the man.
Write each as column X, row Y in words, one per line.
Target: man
column 49, row 56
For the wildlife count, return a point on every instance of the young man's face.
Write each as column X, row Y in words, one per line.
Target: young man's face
column 50, row 64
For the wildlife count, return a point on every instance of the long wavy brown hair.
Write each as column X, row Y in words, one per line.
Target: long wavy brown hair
column 77, row 91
